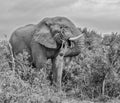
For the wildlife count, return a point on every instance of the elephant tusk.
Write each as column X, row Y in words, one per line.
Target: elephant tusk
column 74, row 38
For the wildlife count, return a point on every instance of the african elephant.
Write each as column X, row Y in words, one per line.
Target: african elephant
column 43, row 40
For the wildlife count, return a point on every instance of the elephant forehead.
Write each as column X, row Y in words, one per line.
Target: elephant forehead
column 68, row 25
column 63, row 20
column 55, row 27
column 69, row 30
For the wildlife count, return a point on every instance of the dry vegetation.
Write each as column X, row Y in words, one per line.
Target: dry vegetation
column 91, row 77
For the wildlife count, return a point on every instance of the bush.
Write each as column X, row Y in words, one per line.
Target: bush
column 92, row 75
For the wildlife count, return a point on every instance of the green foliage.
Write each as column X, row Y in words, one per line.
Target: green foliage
column 92, row 75
column 26, row 85
column 96, row 67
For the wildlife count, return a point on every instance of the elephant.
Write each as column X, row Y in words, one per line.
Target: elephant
column 43, row 41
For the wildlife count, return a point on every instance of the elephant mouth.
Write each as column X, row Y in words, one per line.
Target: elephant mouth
column 61, row 37
column 71, row 44
column 68, row 44
column 71, row 41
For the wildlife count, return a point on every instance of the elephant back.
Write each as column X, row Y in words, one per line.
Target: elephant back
column 25, row 33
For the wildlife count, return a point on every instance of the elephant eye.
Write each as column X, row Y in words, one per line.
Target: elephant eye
column 56, row 32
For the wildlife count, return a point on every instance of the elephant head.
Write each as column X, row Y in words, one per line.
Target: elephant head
column 51, row 31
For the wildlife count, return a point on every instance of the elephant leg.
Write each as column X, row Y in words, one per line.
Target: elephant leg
column 57, row 68
column 58, row 65
column 54, row 70
column 38, row 55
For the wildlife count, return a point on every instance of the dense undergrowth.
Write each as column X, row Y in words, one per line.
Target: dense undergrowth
column 93, row 75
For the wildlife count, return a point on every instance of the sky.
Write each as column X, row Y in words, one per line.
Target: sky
column 102, row 16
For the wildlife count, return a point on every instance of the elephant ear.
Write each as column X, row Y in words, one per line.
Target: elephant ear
column 43, row 36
